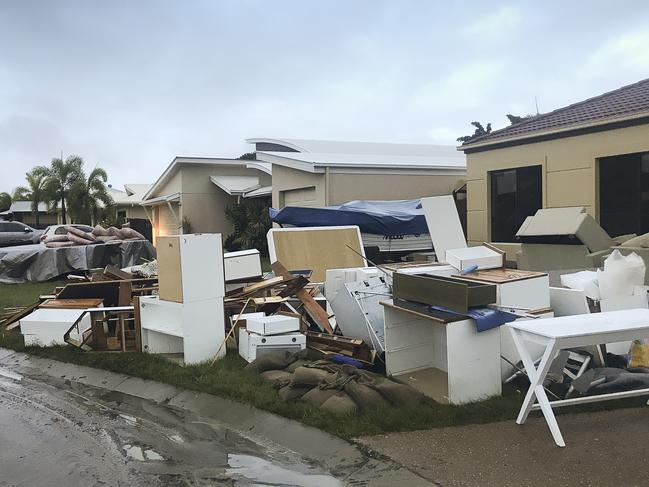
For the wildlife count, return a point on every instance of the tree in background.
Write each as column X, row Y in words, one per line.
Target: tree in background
column 251, row 222
column 88, row 197
column 5, row 201
column 480, row 130
column 35, row 191
column 248, row 156
column 63, row 174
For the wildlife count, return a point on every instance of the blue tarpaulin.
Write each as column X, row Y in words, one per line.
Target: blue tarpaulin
column 485, row 318
column 389, row 218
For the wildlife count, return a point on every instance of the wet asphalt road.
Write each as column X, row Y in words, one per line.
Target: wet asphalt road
column 56, row 432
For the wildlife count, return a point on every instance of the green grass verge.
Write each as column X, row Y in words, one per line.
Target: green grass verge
column 13, row 295
column 227, row 378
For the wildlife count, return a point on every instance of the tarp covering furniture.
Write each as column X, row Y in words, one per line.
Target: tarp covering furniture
column 37, row 263
column 400, row 217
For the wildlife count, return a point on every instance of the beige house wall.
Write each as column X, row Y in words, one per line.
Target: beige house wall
column 569, row 171
column 174, row 185
column 164, row 222
column 336, row 186
column 132, row 211
column 287, row 179
column 374, row 185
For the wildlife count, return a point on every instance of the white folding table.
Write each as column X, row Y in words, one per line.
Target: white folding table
column 571, row 332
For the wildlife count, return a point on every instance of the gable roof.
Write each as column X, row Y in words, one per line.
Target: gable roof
column 602, row 112
column 316, row 155
column 177, row 162
column 26, row 207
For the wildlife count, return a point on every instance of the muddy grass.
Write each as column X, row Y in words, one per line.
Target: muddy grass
column 227, row 378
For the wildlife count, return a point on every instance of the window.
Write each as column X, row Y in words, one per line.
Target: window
column 515, row 195
column 624, row 194
column 121, row 214
column 15, row 227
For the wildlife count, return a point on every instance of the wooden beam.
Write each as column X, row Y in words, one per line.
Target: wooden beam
column 313, row 309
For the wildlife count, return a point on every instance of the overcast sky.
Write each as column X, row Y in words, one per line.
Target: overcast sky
column 130, row 84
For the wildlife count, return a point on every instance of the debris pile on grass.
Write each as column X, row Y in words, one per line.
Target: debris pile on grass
column 337, row 388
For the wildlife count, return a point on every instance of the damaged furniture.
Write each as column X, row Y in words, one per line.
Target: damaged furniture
column 561, row 238
column 187, row 317
column 556, row 334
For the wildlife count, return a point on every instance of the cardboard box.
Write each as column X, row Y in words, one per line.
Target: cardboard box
column 272, row 325
column 482, row 256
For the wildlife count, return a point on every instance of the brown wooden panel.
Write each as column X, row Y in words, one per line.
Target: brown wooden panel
column 318, row 250
column 170, row 279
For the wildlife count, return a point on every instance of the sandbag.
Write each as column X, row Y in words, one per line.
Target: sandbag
column 113, row 231
column 365, row 397
column 72, row 237
column 292, row 367
column 317, row 396
column 99, row 231
column 639, row 354
column 399, row 394
column 56, row 238
column 80, row 233
column 130, row 234
column 267, row 362
column 311, row 376
column 278, row 378
column 291, row 392
column 339, row 403
column 56, row 245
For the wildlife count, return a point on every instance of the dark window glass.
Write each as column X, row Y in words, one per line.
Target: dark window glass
column 16, row 227
column 515, row 195
column 624, row 194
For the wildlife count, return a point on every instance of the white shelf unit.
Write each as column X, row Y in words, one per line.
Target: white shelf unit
column 188, row 316
column 194, row 329
column 450, row 362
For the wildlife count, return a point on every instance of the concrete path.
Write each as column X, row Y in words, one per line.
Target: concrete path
column 603, row 448
column 63, row 424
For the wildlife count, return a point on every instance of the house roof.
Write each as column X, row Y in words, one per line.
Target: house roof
column 26, row 207
column 236, row 185
column 630, row 102
column 355, row 147
column 259, row 192
column 317, row 162
column 181, row 161
column 316, row 155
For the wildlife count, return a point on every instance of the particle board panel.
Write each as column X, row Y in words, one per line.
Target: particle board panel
column 170, row 280
column 317, row 248
column 443, row 224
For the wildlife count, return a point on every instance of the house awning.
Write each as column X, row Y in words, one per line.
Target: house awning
column 236, row 185
column 168, row 198
column 260, row 192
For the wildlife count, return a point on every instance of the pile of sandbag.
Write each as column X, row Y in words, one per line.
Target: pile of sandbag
column 99, row 234
column 337, row 388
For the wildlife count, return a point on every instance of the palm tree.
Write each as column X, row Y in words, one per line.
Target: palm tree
column 62, row 175
column 35, row 191
column 5, row 201
column 89, row 196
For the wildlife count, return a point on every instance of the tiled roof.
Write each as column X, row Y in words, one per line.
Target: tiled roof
column 624, row 102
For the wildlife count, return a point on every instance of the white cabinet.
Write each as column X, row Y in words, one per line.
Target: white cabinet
column 252, row 345
column 190, row 267
column 450, row 362
column 194, row 329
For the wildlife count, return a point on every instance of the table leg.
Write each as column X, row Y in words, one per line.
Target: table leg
column 546, row 409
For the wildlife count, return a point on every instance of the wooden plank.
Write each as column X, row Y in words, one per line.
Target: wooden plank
column 265, row 284
column 313, row 309
column 124, row 293
column 114, row 272
column 170, row 268
column 71, row 303
column 500, row 276
column 138, row 323
column 14, row 320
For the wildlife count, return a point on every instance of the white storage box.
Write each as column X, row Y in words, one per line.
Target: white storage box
column 244, row 264
column 484, row 257
column 46, row 326
column 272, row 325
column 252, row 345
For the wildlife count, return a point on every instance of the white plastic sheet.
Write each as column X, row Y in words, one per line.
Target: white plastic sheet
column 585, row 281
column 621, row 275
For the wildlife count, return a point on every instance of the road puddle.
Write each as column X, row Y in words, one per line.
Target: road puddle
column 140, row 454
column 260, row 470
